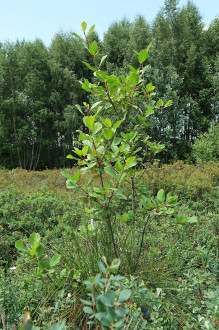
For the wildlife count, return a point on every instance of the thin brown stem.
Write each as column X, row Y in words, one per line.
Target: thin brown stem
column 141, row 245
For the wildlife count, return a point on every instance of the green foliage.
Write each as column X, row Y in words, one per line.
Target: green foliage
column 43, row 212
column 206, row 147
column 168, row 253
column 114, row 149
column 39, row 86
column 108, row 298
column 36, row 250
column 186, row 180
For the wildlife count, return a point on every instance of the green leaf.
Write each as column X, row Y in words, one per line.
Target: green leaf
column 120, row 196
column 121, row 312
column 119, row 325
column 182, row 220
column 34, row 239
column 83, row 25
column 89, row 122
column 101, row 75
column 55, row 260
column 141, row 119
column 161, row 195
column 40, row 250
column 132, row 69
column 93, row 48
column 116, row 141
column 76, row 176
column 103, row 59
column 107, row 122
column 131, row 161
column 159, row 103
column 149, row 111
column 85, row 86
column 124, row 295
column 150, row 87
column 84, row 151
column 108, row 133
column 71, row 184
column 128, row 136
column 89, row 303
column 111, row 172
column 95, row 105
column 117, row 124
column 109, row 299
column 119, row 166
column 115, row 264
column 89, row 66
column 97, row 127
column 58, row 326
column 192, row 220
column 169, row 103
column 88, row 310
column 70, row 157
column 65, row 174
column 142, row 56
column 91, row 30
column 34, row 250
column 134, row 78
column 44, row 264
column 102, row 267
column 77, row 36
column 20, row 245
column 113, row 84
column 82, row 136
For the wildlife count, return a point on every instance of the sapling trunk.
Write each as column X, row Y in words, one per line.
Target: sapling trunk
column 133, row 208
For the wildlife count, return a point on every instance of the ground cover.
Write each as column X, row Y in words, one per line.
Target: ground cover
column 178, row 264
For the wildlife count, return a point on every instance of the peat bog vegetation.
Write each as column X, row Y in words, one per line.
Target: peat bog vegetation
column 176, row 275
column 120, row 240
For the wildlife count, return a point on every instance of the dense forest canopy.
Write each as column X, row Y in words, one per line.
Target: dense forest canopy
column 39, row 86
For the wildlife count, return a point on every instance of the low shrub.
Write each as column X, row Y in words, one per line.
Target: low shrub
column 44, row 212
column 186, row 180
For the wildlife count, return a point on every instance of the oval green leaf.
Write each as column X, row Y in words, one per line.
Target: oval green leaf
column 161, row 195
column 108, row 133
column 20, row 245
column 124, row 295
column 55, row 260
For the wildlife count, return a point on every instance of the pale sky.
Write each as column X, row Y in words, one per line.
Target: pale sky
column 31, row 19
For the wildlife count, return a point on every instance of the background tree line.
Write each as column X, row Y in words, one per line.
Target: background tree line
column 39, row 86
